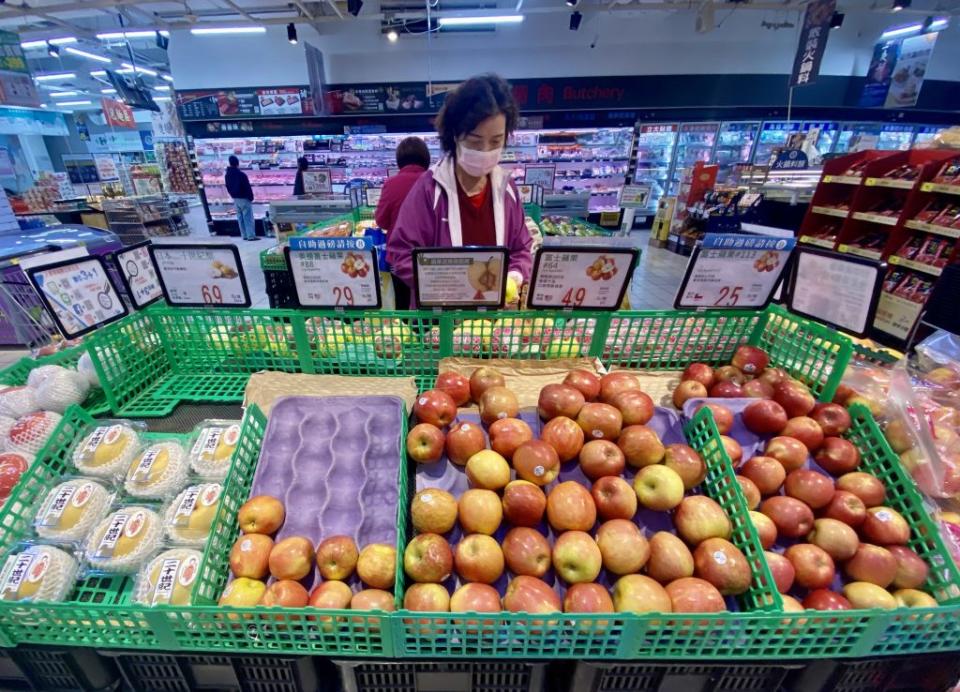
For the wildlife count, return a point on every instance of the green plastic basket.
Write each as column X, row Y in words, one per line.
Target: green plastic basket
column 534, row 211
column 273, row 261
column 17, row 374
column 871, row 355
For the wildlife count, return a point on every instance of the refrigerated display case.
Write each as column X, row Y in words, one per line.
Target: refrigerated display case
column 655, row 145
column 594, row 160
column 695, row 143
column 773, row 135
column 925, row 133
column 734, row 146
column 857, row 137
column 819, row 140
column 895, row 137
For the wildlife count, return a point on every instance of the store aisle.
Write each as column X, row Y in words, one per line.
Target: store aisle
column 657, row 277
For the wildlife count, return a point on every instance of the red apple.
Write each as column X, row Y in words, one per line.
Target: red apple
column 635, row 593
column 658, row 488
column 722, row 416
column 689, row 389
column 791, row 517
column 636, row 407
column 686, row 462
column 729, row 373
column 824, row 599
column 750, row 492
column 427, row 598
column 721, row 563
column 565, row 436
column 475, row 598
column 480, row 511
column 526, row 551
column 766, row 473
column 838, row 539
column 333, row 594
column 885, row 526
column 764, row 417
column 844, row 392
column 791, row 453
column 496, row 403
column 428, row 559
column 912, row 571
column 432, row 510
column 872, row 564
column 600, row 421
column 507, row 434
column 732, row 448
column 726, row 389
column 559, row 400
column 285, row 593
column 813, row 565
column 790, row 604
column 794, row 397
column 616, row 382
column 782, row 570
column 698, row 372
column 585, row 381
column 435, row 407
column 834, row 419
column 587, row 598
column 812, row 487
column 463, row 441
column 537, row 462
column 478, row 558
column 425, row 443
column 693, row 595
column 765, row 528
column 774, row 376
column 846, row 507
column 454, row 384
column 614, row 497
column 600, row 458
column 863, row 594
column 750, row 359
column 669, row 559
column 866, row 486
column 806, row 430
column 482, row 379
column 838, row 456
column 623, row 547
column 576, row 557
column 698, row 518
column 523, row 503
column 641, row 446
column 530, row 595
column 570, row 507
column 758, row 389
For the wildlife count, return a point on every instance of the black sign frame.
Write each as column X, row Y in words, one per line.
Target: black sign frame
column 118, row 261
column 633, row 252
column 296, row 288
column 420, row 251
column 210, row 246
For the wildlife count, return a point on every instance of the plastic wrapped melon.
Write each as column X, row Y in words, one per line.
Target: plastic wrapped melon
column 71, row 509
column 189, row 517
column 159, row 471
column 124, row 540
column 16, row 402
column 169, row 578
column 60, row 389
column 106, row 452
column 214, row 446
column 39, row 573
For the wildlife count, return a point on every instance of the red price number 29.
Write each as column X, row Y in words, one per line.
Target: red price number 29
column 343, row 296
column 574, row 298
column 211, row 295
column 729, row 296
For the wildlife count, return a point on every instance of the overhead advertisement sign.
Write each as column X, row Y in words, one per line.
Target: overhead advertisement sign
column 896, row 71
column 16, row 85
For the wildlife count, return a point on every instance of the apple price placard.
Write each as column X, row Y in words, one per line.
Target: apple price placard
column 734, row 271
column 460, row 277
column 594, row 278
column 200, row 275
column 139, row 275
column 335, row 272
column 79, row 294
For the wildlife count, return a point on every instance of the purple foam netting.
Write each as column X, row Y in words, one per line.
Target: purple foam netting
column 452, row 478
column 333, row 462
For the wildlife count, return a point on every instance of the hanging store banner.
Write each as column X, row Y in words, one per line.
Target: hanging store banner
column 813, row 42
column 16, row 85
column 117, row 114
column 896, row 72
column 317, row 75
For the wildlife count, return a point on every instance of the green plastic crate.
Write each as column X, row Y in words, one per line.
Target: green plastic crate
column 876, row 356
column 534, row 211
column 17, row 374
column 273, row 261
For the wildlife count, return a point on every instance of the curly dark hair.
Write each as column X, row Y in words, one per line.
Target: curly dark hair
column 413, row 151
column 471, row 103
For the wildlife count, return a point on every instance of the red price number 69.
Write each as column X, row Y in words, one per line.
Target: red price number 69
column 343, row 296
column 574, row 299
column 211, row 295
column 731, row 294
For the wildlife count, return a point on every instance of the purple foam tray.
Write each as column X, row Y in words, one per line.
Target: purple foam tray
column 448, row 476
column 334, row 463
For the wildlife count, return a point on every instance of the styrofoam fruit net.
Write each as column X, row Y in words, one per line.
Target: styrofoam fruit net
column 71, row 509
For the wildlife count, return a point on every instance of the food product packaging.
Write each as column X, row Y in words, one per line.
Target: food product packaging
column 189, row 517
column 71, row 509
column 212, row 446
column 158, row 472
column 31, row 432
column 125, row 540
column 16, row 402
column 39, row 573
column 107, row 449
column 169, row 578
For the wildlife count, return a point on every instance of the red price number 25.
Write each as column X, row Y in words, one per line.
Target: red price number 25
column 343, row 296
column 211, row 295
column 729, row 295
column 574, row 298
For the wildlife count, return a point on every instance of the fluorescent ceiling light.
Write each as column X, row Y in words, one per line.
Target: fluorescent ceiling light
column 27, row 45
column 141, row 70
column 938, row 24
column 167, row 77
column 108, row 91
column 480, row 21
column 902, row 31
column 75, row 103
column 55, row 76
column 98, row 73
column 64, row 94
column 162, row 87
column 115, row 35
column 88, row 56
column 220, row 30
column 161, row 98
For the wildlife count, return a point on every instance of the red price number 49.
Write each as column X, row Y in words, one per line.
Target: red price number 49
column 211, row 295
column 729, row 295
column 574, row 298
column 343, row 296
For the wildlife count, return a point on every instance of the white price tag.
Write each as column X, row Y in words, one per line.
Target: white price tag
column 79, row 294
column 540, row 174
column 201, row 275
column 577, row 277
column 460, row 277
column 734, row 271
column 139, row 275
column 335, row 272
column 317, row 181
column 896, row 315
column 635, row 196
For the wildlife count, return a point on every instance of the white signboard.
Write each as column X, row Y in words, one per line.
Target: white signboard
column 635, row 196
column 579, row 277
column 198, row 275
column 317, row 181
column 79, row 294
column 896, row 315
column 540, row 174
column 459, row 277
column 139, row 274
column 106, row 168
column 335, row 272
column 734, row 271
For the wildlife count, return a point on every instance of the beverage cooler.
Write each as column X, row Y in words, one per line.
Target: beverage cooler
column 655, row 146
column 734, row 146
column 695, row 143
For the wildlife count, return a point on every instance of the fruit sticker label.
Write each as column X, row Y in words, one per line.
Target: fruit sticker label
column 82, row 495
column 112, row 535
column 581, row 278
column 52, row 516
column 135, row 524
column 460, row 277
column 335, row 272
column 209, row 494
column 166, row 580
column 232, row 436
column 188, row 573
column 141, row 474
column 187, row 505
column 15, row 571
column 207, row 443
column 105, row 435
column 38, row 568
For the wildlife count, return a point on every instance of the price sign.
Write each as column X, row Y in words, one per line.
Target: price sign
column 78, row 294
column 635, row 196
column 540, row 174
column 373, row 196
column 335, row 272
column 460, row 276
column 594, row 278
column 838, row 289
column 734, row 271
column 317, row 181
column 201, row 275
column 139, row 275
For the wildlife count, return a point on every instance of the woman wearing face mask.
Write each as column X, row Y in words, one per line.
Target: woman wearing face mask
column 466, row 198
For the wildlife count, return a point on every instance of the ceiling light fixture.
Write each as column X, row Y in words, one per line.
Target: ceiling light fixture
column 98, row 73
column 481, row 21
column 292, row 33
column 162, row 87
column 901, row 5
column 75, row 103
column 88, row 56
column 28, row 45
column 142, row 70
column 167, row 77
column 393, row 36
column 53, row 51
column 116, row 35
column 935, row 24
column 224, row 30
column 64, row 94
column 161, row 98
column 902, row 31
column 573, row 3
column 55, row 76
column 108, row 91
column 837, row 20
column 575, row 19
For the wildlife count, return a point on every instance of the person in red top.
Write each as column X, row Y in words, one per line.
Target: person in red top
column 413, row 158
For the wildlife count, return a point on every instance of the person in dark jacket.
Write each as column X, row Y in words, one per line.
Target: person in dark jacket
column 413, row 158
column 302, row 165
column 238, row 187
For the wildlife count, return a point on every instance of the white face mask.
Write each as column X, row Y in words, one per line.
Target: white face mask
column 477, row 163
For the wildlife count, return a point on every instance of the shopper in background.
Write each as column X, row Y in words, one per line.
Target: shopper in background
column 238, row 187
column 466, row 198
column 302, row 165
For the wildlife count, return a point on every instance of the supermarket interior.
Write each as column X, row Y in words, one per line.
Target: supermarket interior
column 545, row 346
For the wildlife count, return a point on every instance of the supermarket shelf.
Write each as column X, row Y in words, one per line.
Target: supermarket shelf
column 890, row 182
column 832, row 211
column 859, row 251
column 945, row 231
column 819, row 242
column 918, row 266
column 843, row 179
column 940, row 187
column 875, row 218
